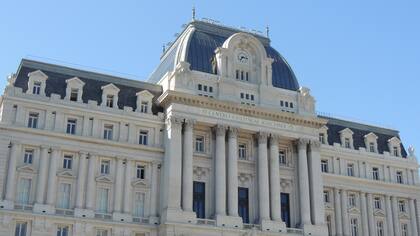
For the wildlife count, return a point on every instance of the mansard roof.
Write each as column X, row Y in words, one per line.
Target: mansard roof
column 92, row 90
column 199, row 45
column 359, row 132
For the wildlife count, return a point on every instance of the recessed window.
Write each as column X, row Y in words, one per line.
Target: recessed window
column 377, row 203
column 110, row 101
column 282, row 157
column 33, row 120
column 322, row 138
column 399, row 177
column 101, row 232
column 23, row 191
column 105, row 166
column 205, row 90
column 144, row 107
column 237, row 74
column 143, row 137
column 199, row 199
column 379, row 228
column 352, row 200
column 200, row 87
column 67, row 162
column 395, row 151
column 350, row 170
column 102, row 200
column 404, row 229
column 140, row 172
column 371, row 147
column 199, row 144
column 243, row 204
column 354, row 227
column 347, row 143
column 71, row 126
column 291, row 105
column 326, row 197
column 108, row 132
column 242, row 151
column 36, row 88
column 63, row 200
column 324, row 166
column 139, row 199
column 28, row 156
column 74, row 94
column 375, row 173
column 62, row 230
column 21, row 228
column 401, row 206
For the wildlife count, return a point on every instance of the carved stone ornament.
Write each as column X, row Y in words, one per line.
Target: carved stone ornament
column 302, row 143
column 189, row 123
column 274, row 138
column 262, row 137
column 244, row 178
column 315, row 144
column 233, row 132
column 200, row 172
column 174, row 121
column 220, row 130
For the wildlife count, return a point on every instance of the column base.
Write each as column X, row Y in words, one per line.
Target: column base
column 229, row 221
column 84, row 213
column 273, row 226
column 315, row 230
column 153, row 220
column 122, row 217
column 179, row 216
column 44, row 209
column 7, row 205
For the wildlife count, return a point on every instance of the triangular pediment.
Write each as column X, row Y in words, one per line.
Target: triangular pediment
column 140, row 183
column 145, row 94
column 324, row 128
column 26, row 168
column 394, row 140
column 104, row 178
column 371, row 135
column 110, row 87
column 38, row 74
column 379, row 212
column 75, row 81
column 66, row 174
column 404, row 215
column 354, row 210
column 346, row 131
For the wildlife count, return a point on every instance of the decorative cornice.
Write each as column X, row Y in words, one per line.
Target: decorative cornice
column 169, row 97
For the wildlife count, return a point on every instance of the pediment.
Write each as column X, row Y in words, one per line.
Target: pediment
column 75, row 81
column 104, row 178
column 346, row 131
column 394, row 140
column 324, row 128
column 66, row 174
column 371, row 135
column 145, row 94
column 379, row 212
column 140, row 183
column 110, row 87
column 354, row 210
column 38, row 74
column 26, row 168
column 404, row 215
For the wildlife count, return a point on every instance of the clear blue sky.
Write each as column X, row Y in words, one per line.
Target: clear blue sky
column 361, row 59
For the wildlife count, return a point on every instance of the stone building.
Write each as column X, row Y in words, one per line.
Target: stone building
column 221, row 140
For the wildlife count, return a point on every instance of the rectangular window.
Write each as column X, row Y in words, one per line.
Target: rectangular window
column 395, row 151
column 281, row 103
column 242, row 75
column 108, row 132
column 285, row 208
column 242, row 151
column 74, row 94
column 199, row 199
column 286, row 104
column 102, row 200
column 24, row 189
column 243, row 204
column 322, row 138
column 328, row 221
column 28, row 156
column 399, row 176
column 375, row 173
column 139, row 204
column 379, row 228
column 326, row 197
column 140, row 172
column 247, row 76
column 352, row 200
column 71, row 126
column 347, row 143
column 291, row 104
column 144, row 107
column 110, row 101
column 101, row 232
column 205, row 88
column 105, row 165
column 67, row 162
column 21, row 228
column 401, row 206
column 372, row 147
column 354, row 227
column 199, row 144
column 377, row 203
column 404, row 229
column 63, row 200
column 350, row 170
column 237, row 74
column 62, row 230
column 143, row 137
column 33, row 120
column 200, row 87
column 37, row 88
column 282, row 157
column 324, row 166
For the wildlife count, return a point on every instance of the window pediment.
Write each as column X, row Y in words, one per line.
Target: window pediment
column 27, row 169
column 66, row 174
column 75, row 82
column 104, row 179
column 140, row 183
column 38, row 74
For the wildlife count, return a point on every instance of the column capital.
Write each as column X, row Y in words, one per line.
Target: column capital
column 15, row 142
column 274, row 138
column 83, row 154
column 44, row 147
column 174, row 120
column 315, row 144
column 55, row 148
column 302, row 143
column 220, row 129
column 233, row 132
column 190, row 122
column 93, row 154
column 262, row 137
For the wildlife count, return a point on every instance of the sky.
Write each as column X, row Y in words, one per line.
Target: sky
column 361, row 59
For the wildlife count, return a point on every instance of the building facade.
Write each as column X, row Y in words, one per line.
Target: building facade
column 221, row 140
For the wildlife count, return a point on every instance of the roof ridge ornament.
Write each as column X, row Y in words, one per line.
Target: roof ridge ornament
column 193, row 13
column 267, row 31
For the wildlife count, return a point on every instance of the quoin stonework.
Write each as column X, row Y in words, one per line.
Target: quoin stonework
column 220, row 140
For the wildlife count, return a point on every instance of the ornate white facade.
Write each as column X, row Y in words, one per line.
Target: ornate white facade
column 220, row 141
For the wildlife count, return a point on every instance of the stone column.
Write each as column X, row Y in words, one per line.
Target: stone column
column 363, row 206
column 389, row 221
column 395, row 216
column 118, row 190
column 86, row 124
column 345, row 213
column 316, row 183
column 153, row 190
column 413, row 217
column 338, row 216
column 91, row 183
column 275, row 179
column 81, row 180
column 232, row 170
column 187, row 166
column 371, row 219
column 220, row 171
column 305, row 210
column 52, row 176
column 15, row 153
column 263, row 185
column 42, row 176
column 127, row 186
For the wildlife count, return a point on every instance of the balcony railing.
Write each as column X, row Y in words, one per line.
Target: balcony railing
column 103, row 216
column 206, row 222
column 64, row 212
column 23, row 207
column 141, row 220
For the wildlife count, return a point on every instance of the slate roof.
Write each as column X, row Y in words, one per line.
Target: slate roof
column 57, row 76
column 359, row 131
column 204, row 41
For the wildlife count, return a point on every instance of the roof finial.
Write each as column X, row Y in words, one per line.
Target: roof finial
column 193, row 13
column 267, row 31
column 163, row 48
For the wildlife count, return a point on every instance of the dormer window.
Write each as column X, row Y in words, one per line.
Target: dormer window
column 346, row 137
column 110, row 101
column 144, row 101
column 371, row 147
column 110, row 95
column 144, row 107
column 74, row 89
column 395, row 151
column 371, row 142
column 394, row 145
column 36, row 82
column 36, row 89
column 74, row 94
column 347, row 142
